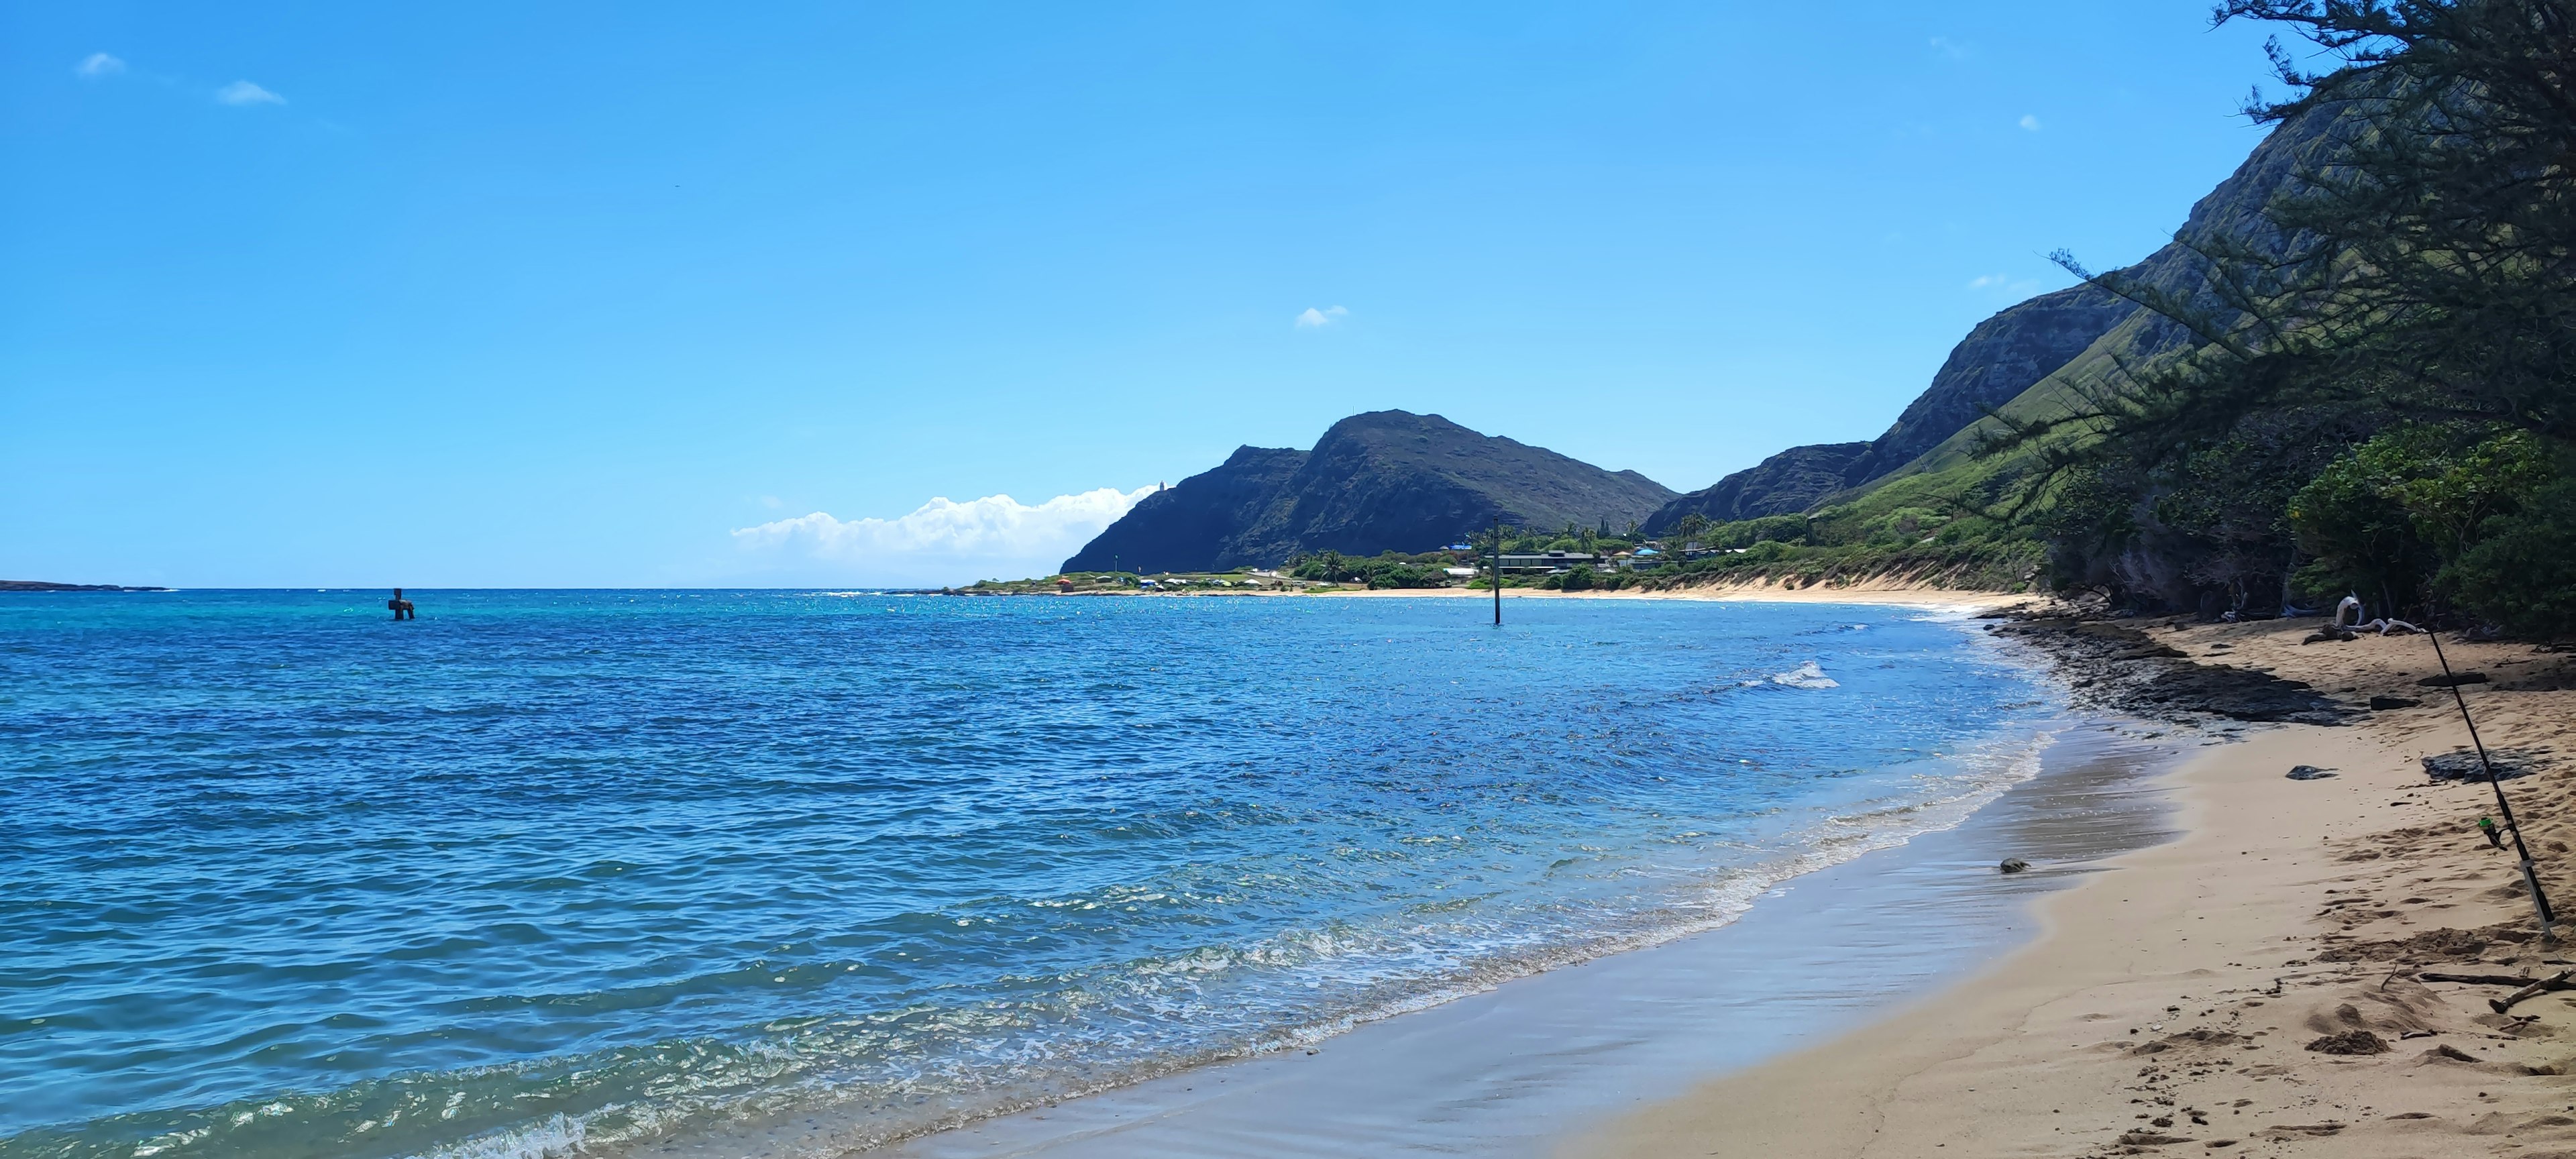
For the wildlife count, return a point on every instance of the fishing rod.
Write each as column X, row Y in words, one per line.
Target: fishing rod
column 2530, row 876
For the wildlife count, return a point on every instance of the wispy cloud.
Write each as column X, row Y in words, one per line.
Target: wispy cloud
column 1314, row 318
column 1951, row 48
column 2003, row 282
column 941, row 543
column 98, row 65
column 2030, row 122
column 242, row 92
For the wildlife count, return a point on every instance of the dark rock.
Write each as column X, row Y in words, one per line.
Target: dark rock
column 2014, row 865
column 2324, row 635
column 2384, row 703
column 2120, row 668
column 2453, row 680
column 1998, row 360
column 1194, row 525
column 1784, row 484
column 2309, row 773
column 2462, row 764
column 2350, row 1042
column 1381, row 481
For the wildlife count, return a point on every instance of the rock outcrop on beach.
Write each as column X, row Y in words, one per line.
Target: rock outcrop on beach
column 2121, row 669
column 1382, row 481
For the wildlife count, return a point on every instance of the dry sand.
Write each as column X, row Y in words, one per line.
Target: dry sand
column 1893, row 593
column 2170, row 1004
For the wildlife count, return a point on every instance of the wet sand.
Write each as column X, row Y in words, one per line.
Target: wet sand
column 2253, row 988
column 1508, row 1071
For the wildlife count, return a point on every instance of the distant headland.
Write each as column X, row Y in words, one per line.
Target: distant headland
column 42, row 586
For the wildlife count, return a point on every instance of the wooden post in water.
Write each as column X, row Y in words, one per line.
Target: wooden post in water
column 1498, row 571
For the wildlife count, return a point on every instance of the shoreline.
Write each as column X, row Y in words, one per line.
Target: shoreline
column 2169, row 1003
column 1884, row 594
column 1895, row 593
column 1937, row 880
column 1499, row 1071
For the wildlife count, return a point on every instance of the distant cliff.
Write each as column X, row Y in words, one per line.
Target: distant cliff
column 2019, row 355
column 1784, row 484
column 2004, row 356
column 1381, row 481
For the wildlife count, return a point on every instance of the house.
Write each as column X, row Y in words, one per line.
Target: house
column 1551, row 561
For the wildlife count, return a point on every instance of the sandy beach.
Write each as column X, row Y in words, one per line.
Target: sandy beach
column 1892, row 593
column 2253, row 987
column 1503, row 1072
column 2208, row 957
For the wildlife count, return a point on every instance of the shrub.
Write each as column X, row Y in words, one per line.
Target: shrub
column 2522, row 573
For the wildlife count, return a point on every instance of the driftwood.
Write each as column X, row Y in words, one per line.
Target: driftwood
column 2557, row 981
column 2516, row 980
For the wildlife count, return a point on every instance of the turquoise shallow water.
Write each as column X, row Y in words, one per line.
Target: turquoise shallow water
column 557, row 872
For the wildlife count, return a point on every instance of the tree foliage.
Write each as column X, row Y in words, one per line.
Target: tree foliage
column 2414, row 282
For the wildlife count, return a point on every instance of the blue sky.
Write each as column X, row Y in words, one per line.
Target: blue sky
column 586, row 294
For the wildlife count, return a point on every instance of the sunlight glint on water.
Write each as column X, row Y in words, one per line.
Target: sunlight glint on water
column 545, row 870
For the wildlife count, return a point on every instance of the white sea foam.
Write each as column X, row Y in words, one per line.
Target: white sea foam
column 556, row 1138
column 1807, row 675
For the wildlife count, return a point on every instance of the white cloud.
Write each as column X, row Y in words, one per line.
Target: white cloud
column 242, row 92
column 2030, row 122
column 2003, row 282
column 942, row 543
column 1950, row 48
column 98, row 64
column 1313, row 317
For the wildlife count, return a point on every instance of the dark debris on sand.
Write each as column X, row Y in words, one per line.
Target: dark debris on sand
column 2463, row 764
column 2119, row 668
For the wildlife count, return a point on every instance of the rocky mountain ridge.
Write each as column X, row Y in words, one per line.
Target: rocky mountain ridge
column 2023, row 351
column 1381, row 481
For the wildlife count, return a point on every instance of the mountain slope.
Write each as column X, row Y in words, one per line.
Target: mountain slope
column 1381, row 481
column 2027, row 358
column 2232, row 213
column 2003, row 356
column 1184, row 528
column 1999, row 360
column 1784, row 484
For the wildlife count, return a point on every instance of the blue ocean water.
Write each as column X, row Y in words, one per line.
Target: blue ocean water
column 575, row 872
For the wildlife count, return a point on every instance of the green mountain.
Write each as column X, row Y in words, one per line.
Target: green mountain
column 1382, row 481
column 2023, row 360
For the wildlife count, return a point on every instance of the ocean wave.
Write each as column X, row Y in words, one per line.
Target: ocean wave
column 1808, row 675
column 890, row 872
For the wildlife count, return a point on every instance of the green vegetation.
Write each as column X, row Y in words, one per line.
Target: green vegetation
column 2366, row 383
column 1386, row 570
column 2410, row 313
